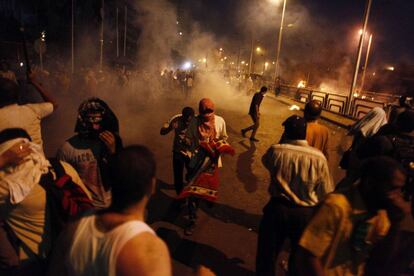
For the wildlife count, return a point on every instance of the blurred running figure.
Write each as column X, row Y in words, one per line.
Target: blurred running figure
column 255, row 114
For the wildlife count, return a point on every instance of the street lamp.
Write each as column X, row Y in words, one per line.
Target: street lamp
column 279, row 43
column 366, row 63
column 358, row 58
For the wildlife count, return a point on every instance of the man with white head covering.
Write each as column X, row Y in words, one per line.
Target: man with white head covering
column 23, row 203
column 366, row 127
column 370, row 123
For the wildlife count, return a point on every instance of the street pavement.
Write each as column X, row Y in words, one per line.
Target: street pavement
column 226, row 234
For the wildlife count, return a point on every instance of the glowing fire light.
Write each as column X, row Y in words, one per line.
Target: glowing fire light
column 294, row 107
column 302, row 84
column 390, row 68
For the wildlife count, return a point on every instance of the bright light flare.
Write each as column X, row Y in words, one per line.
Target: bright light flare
column 275, row 2
column 243, row 62
column 187, row 65
column 21, row 64
column 294, row 107
column 302, row 84
column 258, row 49
column 204, row 60
column 390, row 68
column 43, row 36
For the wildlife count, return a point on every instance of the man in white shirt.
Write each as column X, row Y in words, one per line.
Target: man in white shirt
column 299, row 180
column 27, row 116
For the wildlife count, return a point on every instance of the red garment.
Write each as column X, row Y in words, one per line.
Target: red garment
column 206, row 129
column 205, row 182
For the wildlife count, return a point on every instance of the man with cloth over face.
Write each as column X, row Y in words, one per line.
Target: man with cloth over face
column 89, row 150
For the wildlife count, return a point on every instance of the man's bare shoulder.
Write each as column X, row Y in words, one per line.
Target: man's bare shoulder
column 145, row 254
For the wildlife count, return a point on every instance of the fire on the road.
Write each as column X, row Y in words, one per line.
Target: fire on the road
column 294, row 107
column 302, row 84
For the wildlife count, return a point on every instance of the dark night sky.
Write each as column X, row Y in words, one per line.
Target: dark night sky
column 391, row 21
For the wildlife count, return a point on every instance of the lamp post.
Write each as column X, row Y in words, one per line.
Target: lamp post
column 251, row 57
column 358, row 58
column 125, row 28
column 73, row 39
column 102, row 35
column 366, row 63
column 117, row 32
column 279, row 42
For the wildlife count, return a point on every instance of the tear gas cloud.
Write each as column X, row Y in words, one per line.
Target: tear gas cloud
column 144, row 104
column 311, row 49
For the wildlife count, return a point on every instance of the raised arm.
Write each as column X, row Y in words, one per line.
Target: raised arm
column 42, row 91
column 166, row 128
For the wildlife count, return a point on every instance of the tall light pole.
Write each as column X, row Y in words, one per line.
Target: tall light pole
column 102, row 35
column 125, row 29
column 73, row 38
column 358, row 58
column 117, row 32
column 279, row 42
column 366, row 63
column 251, row 56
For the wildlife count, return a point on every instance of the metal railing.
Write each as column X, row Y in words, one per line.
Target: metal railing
column 338, row 103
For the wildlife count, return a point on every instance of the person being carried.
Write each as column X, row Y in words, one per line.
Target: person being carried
column 254, row 112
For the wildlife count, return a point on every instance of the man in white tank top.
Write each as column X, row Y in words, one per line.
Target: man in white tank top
column 117, row 241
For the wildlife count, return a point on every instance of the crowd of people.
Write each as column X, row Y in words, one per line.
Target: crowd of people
column 83, row 211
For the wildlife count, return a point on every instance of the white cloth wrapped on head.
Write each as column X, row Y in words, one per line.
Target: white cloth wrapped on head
column 22, row 178
column 370, row 123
